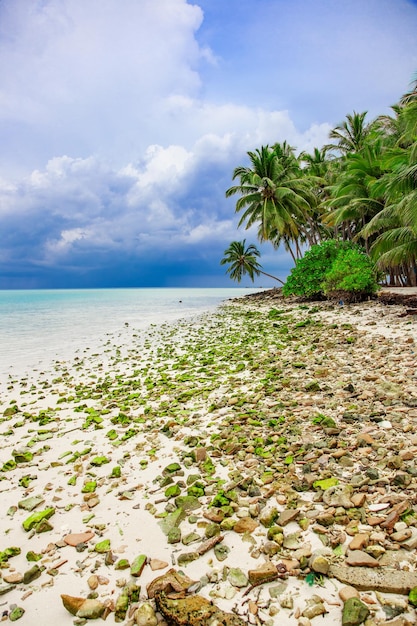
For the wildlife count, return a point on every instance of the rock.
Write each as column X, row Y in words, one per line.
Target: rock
column 269, row 516
column 387, row 579
column 73, row 539
column 16, row 613
column 174, row 535
column 265, row 573
column 345, row 593
column 358, row 499
column 412, row 596
column 245, row 525
column 338, row 495
column 37, row 517
column 169, row 582
column 287, row 516
column 221, row 552
column 357, row 558
column 138, row 564
column 102, row 546
column 145, row 615
column 32, row 574
column 292, row 541
column 28, row 504
column 354, row 612
column 13, row 578
column 194, row 611
column 401, row 535
column 187, row 557
column 156, row 564
column 318, row 563
column 359, row 541
column 92, row 582
column 314, row 607
column 237, row 578
column 83, row 608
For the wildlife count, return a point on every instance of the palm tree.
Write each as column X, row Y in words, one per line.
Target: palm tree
column 356, row 196
column 273, row 193
column 350, row 135
column 243, row 261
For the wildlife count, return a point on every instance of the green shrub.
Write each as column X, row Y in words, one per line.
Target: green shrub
column 307, row 276
column 333, row 269
column 352, row 276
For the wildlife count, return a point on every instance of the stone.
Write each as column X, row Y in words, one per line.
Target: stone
column 318, row 563
column 386, row 580
column 265, row 573
column 145, row 615
column 194, row 610
column 287, row 516
column 13, row 578
column 338, row 495
column 269, row 516
column 401, row 535
column 347, row 592
column 37, row 517
column 354, row 612
column 92, row 581
column 174, row 535
column 237, row 578
column 156, row 564
column 73, row 539
column 28, row 504
column 169, row 582
column 359, row 541
column 32, row 574
column 138, row 564
column 245, row 525
column 83, row 608
column 102, row 546
column 358, row 499
column 314, row 607
column 16, row 613
column 358, row 558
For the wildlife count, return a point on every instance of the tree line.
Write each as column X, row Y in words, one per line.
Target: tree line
column 360, row 187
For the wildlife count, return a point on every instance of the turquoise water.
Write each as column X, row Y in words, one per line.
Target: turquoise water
column 38, row 327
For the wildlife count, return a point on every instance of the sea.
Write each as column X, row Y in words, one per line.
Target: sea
column 40, row 327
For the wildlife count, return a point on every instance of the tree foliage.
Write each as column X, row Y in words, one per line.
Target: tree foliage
column 361, row 188
column 334, row 269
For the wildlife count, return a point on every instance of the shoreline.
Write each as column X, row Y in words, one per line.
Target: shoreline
column 235, row 399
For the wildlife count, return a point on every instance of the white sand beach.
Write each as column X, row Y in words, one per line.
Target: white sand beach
column 233, row 405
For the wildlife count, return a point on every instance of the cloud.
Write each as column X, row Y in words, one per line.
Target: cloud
column 121, row 123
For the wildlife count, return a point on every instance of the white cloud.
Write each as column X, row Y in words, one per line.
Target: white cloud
column 121, row 122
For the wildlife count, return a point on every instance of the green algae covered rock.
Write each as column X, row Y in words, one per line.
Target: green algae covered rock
column 355, row 612
column 34, row 519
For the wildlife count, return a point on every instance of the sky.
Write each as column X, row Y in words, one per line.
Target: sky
column 121, row 123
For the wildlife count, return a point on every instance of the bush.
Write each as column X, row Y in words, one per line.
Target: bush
column 306, row 278
column 333, row 269
column 351, row 277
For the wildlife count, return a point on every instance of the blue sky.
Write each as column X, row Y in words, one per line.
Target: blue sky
column 121, row 124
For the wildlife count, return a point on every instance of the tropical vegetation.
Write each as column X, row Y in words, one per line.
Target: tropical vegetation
column 243, row 260
column 360, row 188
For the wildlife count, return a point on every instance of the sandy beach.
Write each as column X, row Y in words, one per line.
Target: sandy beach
column 266, row 451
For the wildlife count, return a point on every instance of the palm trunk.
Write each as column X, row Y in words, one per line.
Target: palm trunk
column 270, row 276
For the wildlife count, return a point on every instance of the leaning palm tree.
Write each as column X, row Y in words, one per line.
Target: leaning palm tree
column 243, row 260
